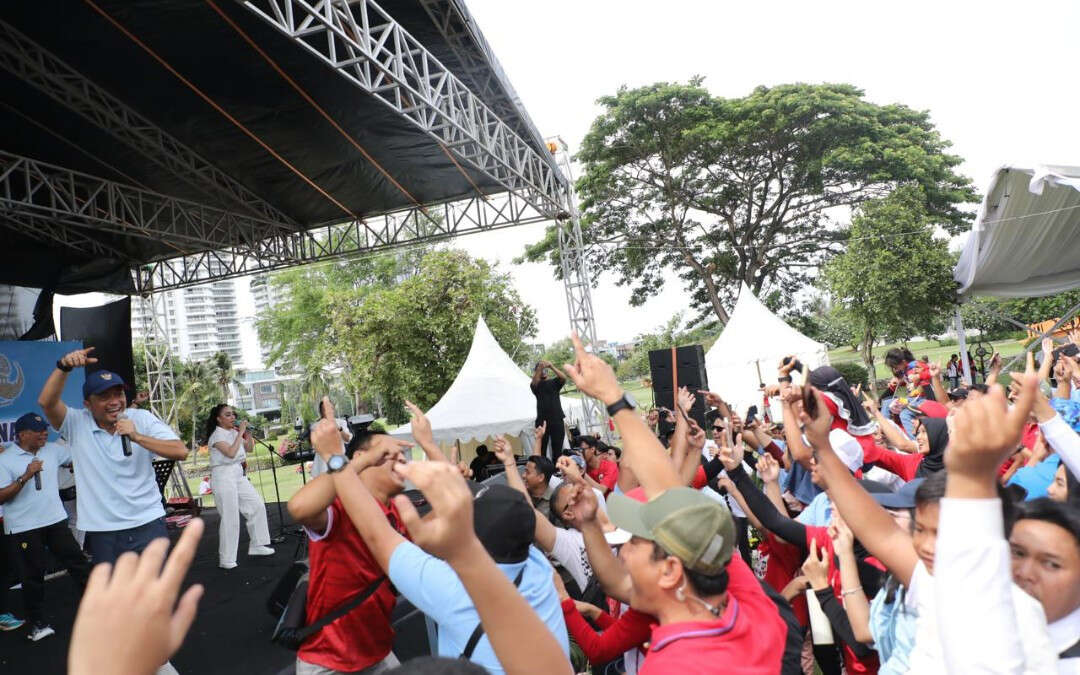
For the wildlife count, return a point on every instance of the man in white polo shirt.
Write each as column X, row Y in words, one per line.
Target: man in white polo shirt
column 118, row 502
column 34, row 516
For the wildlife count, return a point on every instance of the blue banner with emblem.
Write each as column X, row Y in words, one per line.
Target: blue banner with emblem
column 24, row 367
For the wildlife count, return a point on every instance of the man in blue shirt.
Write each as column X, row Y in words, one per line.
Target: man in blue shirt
column 118, row 501
column 34, row 516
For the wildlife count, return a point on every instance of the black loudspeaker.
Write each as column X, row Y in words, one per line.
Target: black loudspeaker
column 107, row 329
column 690, row 372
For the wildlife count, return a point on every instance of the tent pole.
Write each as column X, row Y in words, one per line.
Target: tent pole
column 963, row 347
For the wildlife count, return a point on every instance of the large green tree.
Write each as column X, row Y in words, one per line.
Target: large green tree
column 297, row 331
column 894, row 279
column 723, row 191
column 410, row 340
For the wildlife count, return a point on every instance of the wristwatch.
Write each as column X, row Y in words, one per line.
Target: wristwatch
column 61, row 367
column 336, row 463
column 627, row 402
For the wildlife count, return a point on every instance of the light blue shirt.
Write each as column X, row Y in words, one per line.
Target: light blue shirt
column 115, row 492
column 434, row 588
column 818, row 513
column 893, row 629
column 32, row 508
column 1037, row 479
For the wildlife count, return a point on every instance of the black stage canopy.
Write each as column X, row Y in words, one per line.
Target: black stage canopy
column 136, row 131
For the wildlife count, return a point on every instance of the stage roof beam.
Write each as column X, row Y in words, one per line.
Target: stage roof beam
column 341, row 240
column 35, row 65
column 364, row 44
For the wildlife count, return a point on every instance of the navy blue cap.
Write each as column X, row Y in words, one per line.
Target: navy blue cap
column 31, row 422
column 904, row 498
column 99, row 381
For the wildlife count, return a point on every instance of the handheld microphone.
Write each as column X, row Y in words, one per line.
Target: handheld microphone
column 37, row 480
column 124, row 440
column 251, row 429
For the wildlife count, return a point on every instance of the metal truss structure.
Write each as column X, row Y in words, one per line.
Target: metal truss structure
column 35, row 65
column 364, row 45
column 577, row 282
column 235, row 232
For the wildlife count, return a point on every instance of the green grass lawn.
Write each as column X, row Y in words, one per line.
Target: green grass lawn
column 1008, row 349
column 641, row 393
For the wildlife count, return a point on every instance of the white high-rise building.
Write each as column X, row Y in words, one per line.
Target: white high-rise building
column 266, row 295
column 203, row 320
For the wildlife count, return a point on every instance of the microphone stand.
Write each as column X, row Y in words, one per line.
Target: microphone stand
column 282, row 533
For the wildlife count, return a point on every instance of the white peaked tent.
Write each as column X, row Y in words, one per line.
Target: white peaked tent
column 489, row 396
column 755, row 337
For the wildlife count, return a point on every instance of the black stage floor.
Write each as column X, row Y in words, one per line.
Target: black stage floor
column 231, row 633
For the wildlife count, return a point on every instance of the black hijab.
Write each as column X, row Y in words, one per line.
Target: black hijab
column 830, row 382
column 937, row 432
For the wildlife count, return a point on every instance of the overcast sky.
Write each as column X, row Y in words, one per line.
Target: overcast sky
column 998, row 79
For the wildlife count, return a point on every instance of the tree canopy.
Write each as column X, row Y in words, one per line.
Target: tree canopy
column 894, row 280
column 753, row 189
column 408, row 337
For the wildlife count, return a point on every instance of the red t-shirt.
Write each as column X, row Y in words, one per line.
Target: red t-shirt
column 341, row 567
column 606, row 473
column 748, row 638
column 852, row 663
column 785, row 563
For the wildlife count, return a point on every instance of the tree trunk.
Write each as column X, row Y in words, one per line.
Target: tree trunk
column 868, row 360
column 710, row 287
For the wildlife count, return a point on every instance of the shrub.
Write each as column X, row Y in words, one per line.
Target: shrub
column 853, row 373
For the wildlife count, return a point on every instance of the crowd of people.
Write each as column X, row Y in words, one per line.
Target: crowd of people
column 932, row 529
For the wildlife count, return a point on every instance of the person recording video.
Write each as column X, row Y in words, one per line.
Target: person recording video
column 229, row 443
column 112, row 448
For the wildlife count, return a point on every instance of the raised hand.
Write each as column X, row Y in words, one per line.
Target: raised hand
column 592, row 375
column 986, row 431
column 420, row 425
column 78, row 358
column 696, row 436
column 583, row 506
column 503, row 451
column 816, row 567
column 569, row 467
column 325, row 437
column 768, row 468
column 935, row 369
column 870, row 405
column 732, row 458
column 447, row 531
column 841, row 534
column 538, row 433
column 129, row 620
column 817, row 429
column 685, row 399
column 712, row 400
column 785, row 368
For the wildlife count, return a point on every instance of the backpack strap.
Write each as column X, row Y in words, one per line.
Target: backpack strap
column 340, row 611
column 478, row 632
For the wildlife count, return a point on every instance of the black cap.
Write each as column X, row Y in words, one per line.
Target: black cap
column 504, row 521
column 958, row 393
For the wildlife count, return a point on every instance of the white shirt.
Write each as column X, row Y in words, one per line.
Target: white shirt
column 228, row 437
column 31, row 508
column 569, row 551
column 985, row 624
column 1064, row 633
column 115, row 492
column 1064, row 441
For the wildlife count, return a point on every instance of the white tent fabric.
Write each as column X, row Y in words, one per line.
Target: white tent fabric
column 755, row 337
column 1026, row 237
column 489, row 396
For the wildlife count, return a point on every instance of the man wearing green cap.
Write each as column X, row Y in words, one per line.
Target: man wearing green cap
column 713, row 615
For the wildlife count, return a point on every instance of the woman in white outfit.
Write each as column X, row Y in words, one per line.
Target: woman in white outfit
column 233, row 493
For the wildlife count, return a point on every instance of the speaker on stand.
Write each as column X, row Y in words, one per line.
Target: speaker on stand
column 679, row 367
